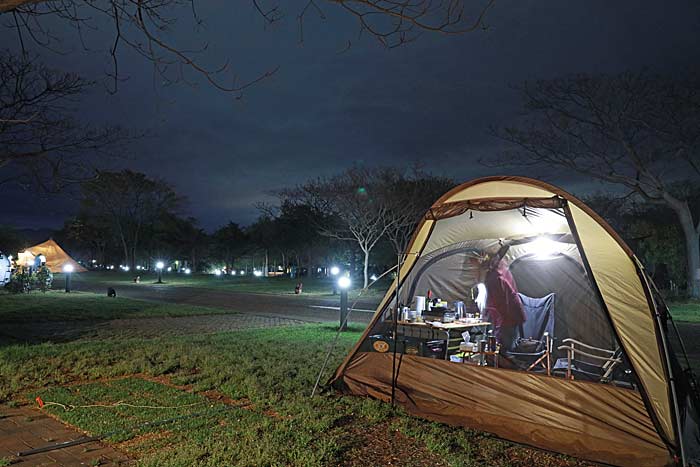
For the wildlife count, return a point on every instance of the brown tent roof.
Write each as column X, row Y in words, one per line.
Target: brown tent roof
column 56, row 257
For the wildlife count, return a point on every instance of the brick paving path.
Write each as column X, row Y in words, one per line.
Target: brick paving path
column 153, row 327
column 24, row 428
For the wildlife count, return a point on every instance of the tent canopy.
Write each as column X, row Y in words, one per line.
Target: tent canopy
column 551, row 243
column 55, row 256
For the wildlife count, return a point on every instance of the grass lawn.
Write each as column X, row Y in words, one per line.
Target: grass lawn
column 198, row 382
column 59, row 306
column 267, row 285
column 688, row 311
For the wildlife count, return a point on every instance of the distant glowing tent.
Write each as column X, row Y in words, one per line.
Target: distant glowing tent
column 641, row 412
column 56, row 258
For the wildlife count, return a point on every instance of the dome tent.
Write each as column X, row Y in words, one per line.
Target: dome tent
column 611, row 302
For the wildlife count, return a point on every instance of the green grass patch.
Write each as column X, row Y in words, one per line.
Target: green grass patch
column 281, row 285
column 688, row 311
column 60, row 306
column 273, row 368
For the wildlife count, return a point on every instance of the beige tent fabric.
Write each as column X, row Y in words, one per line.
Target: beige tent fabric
column 617, row 279
column 499, row 187
column 56, row 258
column 591, row 421
column 494, row 225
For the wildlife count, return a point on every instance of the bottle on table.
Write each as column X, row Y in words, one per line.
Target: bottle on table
column 491, row 341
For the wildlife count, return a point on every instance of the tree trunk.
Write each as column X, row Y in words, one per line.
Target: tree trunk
column 126, row 254
column 132, row 264
column 365, row 269
column 692, row 245
column 266, row 264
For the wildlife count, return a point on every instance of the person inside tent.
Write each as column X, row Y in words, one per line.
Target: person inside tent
column 503, row 306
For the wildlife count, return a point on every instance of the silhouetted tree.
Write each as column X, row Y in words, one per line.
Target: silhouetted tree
column 408, row 198
column 41, row 144
column 352, row 206
column 130, row 202
column 633, row 130
column 229, row 243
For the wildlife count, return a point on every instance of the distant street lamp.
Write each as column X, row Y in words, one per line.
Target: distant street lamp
column 159, row 267
column 344, row 283
column 68, row 270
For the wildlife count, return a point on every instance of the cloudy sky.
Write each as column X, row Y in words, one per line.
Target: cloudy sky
column 431, row 101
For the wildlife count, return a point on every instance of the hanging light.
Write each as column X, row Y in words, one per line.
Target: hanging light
column 544, row 248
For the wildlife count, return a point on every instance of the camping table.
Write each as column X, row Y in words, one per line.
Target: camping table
column 446, row 328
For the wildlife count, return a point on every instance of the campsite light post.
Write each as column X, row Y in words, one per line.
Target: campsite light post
column 68, row 271
column 335, row 270
column 344, row 284
column 159, row 267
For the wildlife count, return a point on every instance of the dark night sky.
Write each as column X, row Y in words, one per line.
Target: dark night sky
column 431, row 101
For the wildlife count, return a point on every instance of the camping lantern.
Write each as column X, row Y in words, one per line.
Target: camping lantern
column 159, row 267
column 68, row 270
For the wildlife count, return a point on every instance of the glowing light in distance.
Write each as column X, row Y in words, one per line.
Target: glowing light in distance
column 344, row 282
column 170, row 269
column 335, row 270
column 257, row 273
column 373, row 277
column 217, row 272
column 160, row 265
column 188, row 270
column 67, row 268
column 233, row 273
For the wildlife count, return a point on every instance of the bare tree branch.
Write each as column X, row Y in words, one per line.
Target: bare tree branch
column 147, row 27
column 38, row 136
column 634, row 130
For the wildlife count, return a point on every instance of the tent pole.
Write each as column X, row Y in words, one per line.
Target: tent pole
column 395, row 328
column 664, row 345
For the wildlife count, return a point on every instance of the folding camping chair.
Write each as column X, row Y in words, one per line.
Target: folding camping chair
column 536, row 335
column 607, row 362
